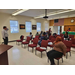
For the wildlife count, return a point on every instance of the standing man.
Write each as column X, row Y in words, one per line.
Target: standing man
column 5, row 35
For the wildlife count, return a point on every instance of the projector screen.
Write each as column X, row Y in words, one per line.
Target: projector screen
column 14, row 26
column 38, row 27
column 28, row 27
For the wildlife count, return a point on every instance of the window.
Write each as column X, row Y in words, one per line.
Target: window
column 58, row 30
column 46, row 26
column 28, row 27
column 38, row 27
column 14, row 26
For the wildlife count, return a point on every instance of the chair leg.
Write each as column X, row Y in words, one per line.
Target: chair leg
column 16, row 42
column 41, row 54
column 70, row 53
column 28, row 48
column 35, row 52
column 21, row 45
column 62, row 59
column 58, row 62
column 66, row 55
column 24, row 45
column 32, row 50
column 48, row 60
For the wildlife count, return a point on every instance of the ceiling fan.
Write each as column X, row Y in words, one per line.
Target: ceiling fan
column 45, row 14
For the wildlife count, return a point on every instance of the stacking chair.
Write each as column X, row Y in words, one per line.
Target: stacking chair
column 43, row 44
column 68, row 45
column 73, row 42
column 49, row 40
column 26, row 42
column 52, row 40
column 20, row 40
column 61, row 35
column 37, row 36
column 35, row 42
column 71, row 36
column 58, row 60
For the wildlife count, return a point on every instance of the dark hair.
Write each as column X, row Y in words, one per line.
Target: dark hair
column 44, row 33
column 69, row 28
column 4, row 27
column 66, row 32
column 37, row 32
column 30, row 33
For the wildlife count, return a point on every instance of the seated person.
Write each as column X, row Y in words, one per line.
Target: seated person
column 58, row 51
column 37, row 34
column 43, row 37
column 41, row 33
column 30, row 35
column 69, row 29
column 48, row 34
column 66, row 37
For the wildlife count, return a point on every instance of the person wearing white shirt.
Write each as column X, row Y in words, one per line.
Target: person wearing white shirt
column 5, row 35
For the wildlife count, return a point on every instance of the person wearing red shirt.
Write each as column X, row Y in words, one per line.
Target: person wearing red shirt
column 69, row 29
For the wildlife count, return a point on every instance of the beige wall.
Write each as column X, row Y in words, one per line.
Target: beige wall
column 5, row 21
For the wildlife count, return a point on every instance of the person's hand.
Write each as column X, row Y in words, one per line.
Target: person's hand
column 3, row 38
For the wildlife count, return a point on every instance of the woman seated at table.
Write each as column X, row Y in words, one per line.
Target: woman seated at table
column 43, row 37
column 58, row 50
column 66, row 37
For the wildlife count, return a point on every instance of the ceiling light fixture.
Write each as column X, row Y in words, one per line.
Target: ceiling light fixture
column 19, row 11
column 55, row 13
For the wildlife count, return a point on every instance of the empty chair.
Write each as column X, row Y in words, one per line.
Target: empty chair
column 49, row 40
column 37, row 36
column 52, row 40
column 43, row 47
column 73, row 42
column 71, row 36
column 35, row 42
column 26, row 42
column 68, row 45
column 21, row 39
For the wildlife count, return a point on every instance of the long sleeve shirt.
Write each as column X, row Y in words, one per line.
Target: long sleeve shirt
column 61, row 47
column 4, row 33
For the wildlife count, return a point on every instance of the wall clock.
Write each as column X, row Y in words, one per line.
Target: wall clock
column 72, row 20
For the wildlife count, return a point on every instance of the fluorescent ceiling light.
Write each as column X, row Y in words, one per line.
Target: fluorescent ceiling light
column 56, row 12
column 19, row 11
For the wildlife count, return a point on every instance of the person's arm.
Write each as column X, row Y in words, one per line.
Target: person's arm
column 63, row 47
column 3, row 36
column 54, row 42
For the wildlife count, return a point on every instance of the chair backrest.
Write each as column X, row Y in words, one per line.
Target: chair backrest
column 73, row 40
column 53, row 39
column 62, row 38
column 44, row 43
column 71, row 36
column 61, row 35
column 22, row 37
column 28, row 39
column 68, row 43
column 37, row 36
column 35, row 41
column 50, row 37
